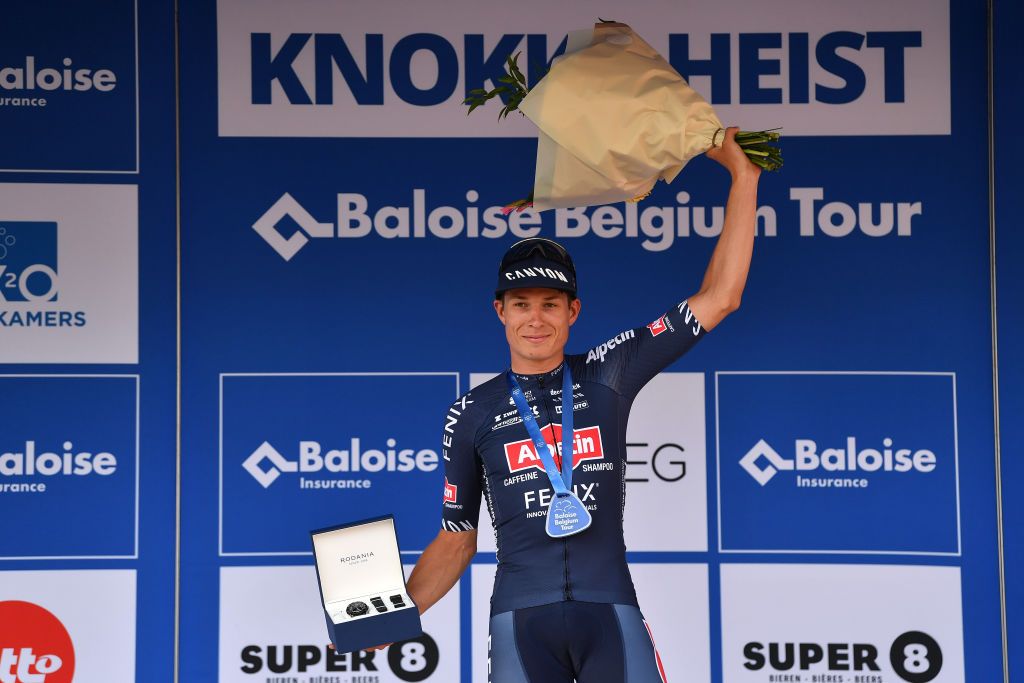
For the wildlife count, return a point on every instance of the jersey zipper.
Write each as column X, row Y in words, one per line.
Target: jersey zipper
column 566, row 590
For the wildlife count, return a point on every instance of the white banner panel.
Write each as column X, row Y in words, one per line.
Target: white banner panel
column 672, row 597
column 69, row 273
column 666, row 467
column 666, row 479
column 674, row 600
column 272, row 625
column 68, row 625
column 357, row 68
column 841, row 622
column 482, row 586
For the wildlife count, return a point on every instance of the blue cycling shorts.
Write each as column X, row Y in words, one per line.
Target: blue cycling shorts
column 563, row 642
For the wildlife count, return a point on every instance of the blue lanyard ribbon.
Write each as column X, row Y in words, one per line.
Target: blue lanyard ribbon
column 562, row 483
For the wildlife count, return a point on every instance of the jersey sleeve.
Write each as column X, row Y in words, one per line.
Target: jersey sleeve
column 630, row 359
column 463, row 471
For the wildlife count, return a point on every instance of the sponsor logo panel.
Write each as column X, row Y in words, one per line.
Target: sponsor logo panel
column 286, row 226
column 69, row 444
column 60, row 626
column 38, row 649
column 854, row 623
column 68, row 273
column 306, row 71
column 69, row 91
column 666, row 477
column 674, row 601
column 282, row 635
column 480, row 618
column 836, row 458
column 302, row 451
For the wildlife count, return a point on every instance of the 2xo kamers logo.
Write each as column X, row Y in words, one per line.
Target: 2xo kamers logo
column 410, row 660
column 914, row 656
column 29, row 282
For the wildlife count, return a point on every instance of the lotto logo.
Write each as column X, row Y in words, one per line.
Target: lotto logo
column 451, row 492
column 658, row 326
column 34, row 645
column 28, row 261
column 586, row 445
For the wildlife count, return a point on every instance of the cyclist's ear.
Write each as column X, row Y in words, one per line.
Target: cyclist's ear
column 574, row 310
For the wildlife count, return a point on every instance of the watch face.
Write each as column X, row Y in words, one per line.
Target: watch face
column 357, row 609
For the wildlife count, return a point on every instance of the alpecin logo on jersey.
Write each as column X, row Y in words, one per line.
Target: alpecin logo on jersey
column 451, row 491
column 587, row 445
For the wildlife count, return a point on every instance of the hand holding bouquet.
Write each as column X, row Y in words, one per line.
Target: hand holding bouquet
column 614, row 118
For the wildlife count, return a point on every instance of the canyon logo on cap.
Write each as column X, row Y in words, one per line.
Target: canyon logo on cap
column 536, row 262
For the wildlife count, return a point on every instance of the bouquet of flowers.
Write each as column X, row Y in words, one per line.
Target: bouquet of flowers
column 614, row 117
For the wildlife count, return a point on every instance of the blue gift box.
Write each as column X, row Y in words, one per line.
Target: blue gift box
column 362, row 585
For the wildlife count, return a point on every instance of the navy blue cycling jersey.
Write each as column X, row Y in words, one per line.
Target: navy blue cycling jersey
column 488, row 451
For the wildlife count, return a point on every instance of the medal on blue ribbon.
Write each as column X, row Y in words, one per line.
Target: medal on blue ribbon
column 567, row 515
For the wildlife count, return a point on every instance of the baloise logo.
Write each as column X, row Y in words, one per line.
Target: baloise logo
column 34, row 645
column 914, row 656
column 355, row 220
column 762, row 462
column 31, row 79
column 32, row 462
column 266, row 463
column 29, row 283
column 410, row 660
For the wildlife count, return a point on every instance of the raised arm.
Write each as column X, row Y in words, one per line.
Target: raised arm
column 726, row 276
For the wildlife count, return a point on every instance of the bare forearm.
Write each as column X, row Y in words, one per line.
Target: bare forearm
column 727, row 272
column 440, row 567
column 726, row 275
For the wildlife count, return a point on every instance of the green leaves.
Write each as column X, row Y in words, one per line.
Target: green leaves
column 755, row 144
column 514, row 85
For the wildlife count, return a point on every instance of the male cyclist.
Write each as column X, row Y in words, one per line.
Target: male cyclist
column 563, row 607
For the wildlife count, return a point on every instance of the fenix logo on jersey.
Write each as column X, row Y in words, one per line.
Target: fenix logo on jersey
column 29, row 281
column 762, row 462
column 586, row 445
column 266, row 463
column 452, row 419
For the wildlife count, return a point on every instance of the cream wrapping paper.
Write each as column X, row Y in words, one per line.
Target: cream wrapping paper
column 614, row 117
